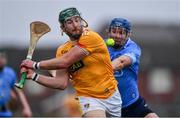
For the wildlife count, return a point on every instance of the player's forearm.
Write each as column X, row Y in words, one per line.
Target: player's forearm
column 52, row 82
column 53, row 64
column 74, row 55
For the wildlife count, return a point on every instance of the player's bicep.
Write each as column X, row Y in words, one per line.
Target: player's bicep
column 134, row 53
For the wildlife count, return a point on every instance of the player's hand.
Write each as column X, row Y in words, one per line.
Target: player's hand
column 27, row 64
column 30, row 73
column 23, row 69
column 117, row 64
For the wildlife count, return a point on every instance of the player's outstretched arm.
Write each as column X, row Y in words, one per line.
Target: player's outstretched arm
column 63, row 62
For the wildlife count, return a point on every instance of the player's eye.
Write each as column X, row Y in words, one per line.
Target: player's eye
column 121, row 31
column 69, row 21
column 77, row 19
column 113, row 30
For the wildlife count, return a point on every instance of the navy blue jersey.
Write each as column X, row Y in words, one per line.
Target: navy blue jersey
column 127, row 77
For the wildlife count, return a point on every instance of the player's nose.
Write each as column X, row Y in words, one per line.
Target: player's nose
column 75, row 24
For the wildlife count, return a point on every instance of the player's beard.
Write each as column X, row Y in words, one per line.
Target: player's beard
column 120, row 45
column 75, row 36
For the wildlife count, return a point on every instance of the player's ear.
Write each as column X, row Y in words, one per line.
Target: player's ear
column 129, row 34
column 107, row 30
column 62, row 29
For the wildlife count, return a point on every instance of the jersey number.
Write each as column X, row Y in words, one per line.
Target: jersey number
column 76, row 66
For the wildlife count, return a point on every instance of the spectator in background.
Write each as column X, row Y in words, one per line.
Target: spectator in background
column 8, row 91
column 125, row 56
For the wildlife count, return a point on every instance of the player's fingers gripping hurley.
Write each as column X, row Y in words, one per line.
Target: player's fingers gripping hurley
column 27, row 63
column 37, row 29
column 23, row 69
column 30, row 73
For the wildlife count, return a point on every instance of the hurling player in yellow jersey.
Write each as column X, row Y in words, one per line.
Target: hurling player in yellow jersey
column 85, row 61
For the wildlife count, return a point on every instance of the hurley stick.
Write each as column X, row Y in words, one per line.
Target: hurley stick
column 37, row 30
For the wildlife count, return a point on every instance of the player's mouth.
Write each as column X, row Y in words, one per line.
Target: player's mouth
column 77, row 31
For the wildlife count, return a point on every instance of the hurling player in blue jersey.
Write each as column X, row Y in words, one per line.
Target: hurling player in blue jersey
column 8, row 91
column 125, row 55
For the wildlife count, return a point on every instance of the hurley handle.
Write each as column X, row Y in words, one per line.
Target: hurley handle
column 22, row 81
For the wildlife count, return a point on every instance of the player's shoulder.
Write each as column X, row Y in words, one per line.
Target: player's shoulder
column 132, row 43
column 91, row 37
column 63, row 48
column 132, row 47
column 62, row 45
column 87, row 32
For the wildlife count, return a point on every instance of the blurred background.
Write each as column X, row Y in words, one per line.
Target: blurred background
column 156, row 28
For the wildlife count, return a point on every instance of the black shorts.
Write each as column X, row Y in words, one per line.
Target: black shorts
column 137, row 109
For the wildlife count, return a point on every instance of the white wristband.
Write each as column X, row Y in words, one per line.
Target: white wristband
column 36, row 65
column 35, row 77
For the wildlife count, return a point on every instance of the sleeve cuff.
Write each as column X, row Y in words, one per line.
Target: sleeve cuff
column 132, row 57
column 83, row 49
